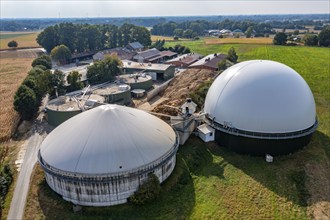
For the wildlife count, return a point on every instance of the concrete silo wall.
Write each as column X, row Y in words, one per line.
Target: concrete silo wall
column 146, row 85
column 120, row 98
column 105, row 191
column 56, row 118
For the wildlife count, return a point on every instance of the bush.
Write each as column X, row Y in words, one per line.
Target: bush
column 12, row 44
column 6, row 177
column 311, row 40
column 25, row 102
column 148, row 191
column 222, row 65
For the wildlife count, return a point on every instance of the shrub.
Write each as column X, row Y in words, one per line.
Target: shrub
column 12, row 44
column 147, row 192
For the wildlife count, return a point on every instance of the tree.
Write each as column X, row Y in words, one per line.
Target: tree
column 57, row 81
column 25, row 102
column 12, row 44
column 280, row 38
column 41, row 78
column 49, row 38
column 295, row 32
column 248, row 32
column 311, row 40
column 61, row 53
column 104, row 70
column 232, row 56
column 43, row 60
column 324, row 37
column 74, row 82
column 148, row 191
column 31, row 82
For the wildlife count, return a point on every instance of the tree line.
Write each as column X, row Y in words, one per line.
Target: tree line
column 85, row 37
column 191, row 29
column 322, row 39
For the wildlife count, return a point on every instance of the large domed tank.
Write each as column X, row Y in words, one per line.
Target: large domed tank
column 101, row 156
column 260, row 107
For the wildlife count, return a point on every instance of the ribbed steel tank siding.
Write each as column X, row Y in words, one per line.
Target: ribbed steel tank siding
column 120, row 98
column 55, row 118
column 89, row 192
column 146, row 85
column 260, row 147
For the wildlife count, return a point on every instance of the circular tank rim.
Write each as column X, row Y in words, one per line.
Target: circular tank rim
column 136, row 171
column 261, row 135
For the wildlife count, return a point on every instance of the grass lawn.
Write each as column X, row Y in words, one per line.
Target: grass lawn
column 23, row 39
column 210, row 182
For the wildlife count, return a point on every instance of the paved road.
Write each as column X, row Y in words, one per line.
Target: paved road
column 40, row 130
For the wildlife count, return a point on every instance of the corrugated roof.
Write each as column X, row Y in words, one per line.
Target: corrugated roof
column 211, row 60
column 136, row 45
column 149, row 53
column 186, row 58
column 107, row 139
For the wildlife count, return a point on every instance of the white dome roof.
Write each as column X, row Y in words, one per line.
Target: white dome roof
column 107, row 139
column 261, row 96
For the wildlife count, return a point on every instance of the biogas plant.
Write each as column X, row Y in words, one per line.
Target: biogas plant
column 101, row 156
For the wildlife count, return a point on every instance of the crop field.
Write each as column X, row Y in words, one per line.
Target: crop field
column 257, row 40
column 166, row 38
column 23, row 39
column 13, row 69
column 210, row 182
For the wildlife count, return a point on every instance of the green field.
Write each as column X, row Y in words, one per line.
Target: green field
column 210, row 182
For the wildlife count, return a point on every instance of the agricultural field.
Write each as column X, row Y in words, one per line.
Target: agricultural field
column 257, row 40
column 24, row 39
column 166, row 38
column 210, row 182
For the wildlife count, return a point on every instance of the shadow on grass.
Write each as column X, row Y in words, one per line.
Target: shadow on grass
column 286, row 176
column 175, row 202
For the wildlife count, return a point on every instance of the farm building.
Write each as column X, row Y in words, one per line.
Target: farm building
column 65, row 107
column 156, row 71
column 135, row 46
column 184, row 60
column 261, row 107
column 102, row 156
column 154, row 56
column 209, row 62
column 122, row 53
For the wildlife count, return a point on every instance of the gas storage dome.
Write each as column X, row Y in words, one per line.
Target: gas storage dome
column 261, row 107
column 101, row 156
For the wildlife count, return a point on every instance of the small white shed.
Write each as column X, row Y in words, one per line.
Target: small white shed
column 206, row 133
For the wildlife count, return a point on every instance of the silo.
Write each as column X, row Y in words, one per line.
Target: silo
column 100, row 157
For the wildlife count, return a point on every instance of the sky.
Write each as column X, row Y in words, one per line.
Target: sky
column 146, row 8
